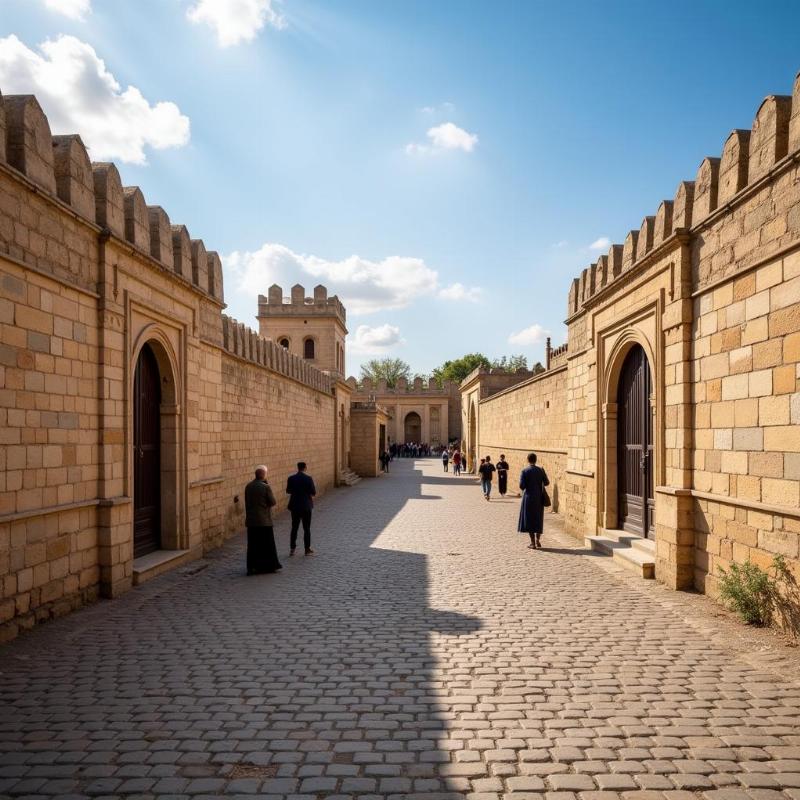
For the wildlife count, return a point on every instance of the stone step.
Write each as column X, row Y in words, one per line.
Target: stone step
column 638, row 560
column 349, row 478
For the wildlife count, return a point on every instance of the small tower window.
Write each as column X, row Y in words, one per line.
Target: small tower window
column 284, row 343
column 308, row 349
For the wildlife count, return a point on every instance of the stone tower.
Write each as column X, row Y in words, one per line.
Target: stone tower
column 313, row 328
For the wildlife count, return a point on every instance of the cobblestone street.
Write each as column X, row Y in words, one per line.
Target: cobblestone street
column 423, row 652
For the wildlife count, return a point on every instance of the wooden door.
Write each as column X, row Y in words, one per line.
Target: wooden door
column 635, row 445
column 146, row 455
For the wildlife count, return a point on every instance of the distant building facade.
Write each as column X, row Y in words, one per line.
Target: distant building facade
column 421, row 412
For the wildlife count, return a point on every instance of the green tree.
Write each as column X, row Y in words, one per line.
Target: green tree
column 511, row 363
column 457, row 369
column 388, row 369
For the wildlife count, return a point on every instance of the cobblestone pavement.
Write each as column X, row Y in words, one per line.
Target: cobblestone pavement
column 424, row 652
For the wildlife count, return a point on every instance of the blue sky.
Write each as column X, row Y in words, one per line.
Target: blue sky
column 444, row 166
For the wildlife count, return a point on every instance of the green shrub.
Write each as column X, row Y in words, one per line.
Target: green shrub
column 751, row 591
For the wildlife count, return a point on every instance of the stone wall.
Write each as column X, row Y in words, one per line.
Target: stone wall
column 367, row 420
column 89, row 275
column 529, row 417
column 709, row 288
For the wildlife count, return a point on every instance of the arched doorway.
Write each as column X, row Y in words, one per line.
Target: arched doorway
column 635, row 463
column 413, row 427
column 146, row 454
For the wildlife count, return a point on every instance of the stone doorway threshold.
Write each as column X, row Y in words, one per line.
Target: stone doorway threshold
column 629, row 550
column 154, row 564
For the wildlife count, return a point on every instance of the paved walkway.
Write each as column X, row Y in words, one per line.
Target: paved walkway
column 424, row 652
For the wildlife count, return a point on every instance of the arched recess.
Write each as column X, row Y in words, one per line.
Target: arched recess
column 619, row 365
column 309, row 348
column 434, row 424
column 412, row 427
column 153, row 353
column 284, row 342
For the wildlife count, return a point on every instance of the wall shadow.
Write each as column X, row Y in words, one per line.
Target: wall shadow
column 317, row 681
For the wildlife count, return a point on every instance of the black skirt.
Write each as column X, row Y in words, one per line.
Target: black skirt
column 502, row 481
column 262, row 555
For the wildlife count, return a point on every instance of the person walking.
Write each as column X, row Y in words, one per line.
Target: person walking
column 445, row 459
column 385, row 459
column 457, row 462
column 502, row 476
column 486, row 471
column 301, row 490
column 532, row 481
column 262, row 556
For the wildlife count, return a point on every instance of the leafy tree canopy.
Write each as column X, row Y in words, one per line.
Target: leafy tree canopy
column 388, row 369
column 457, row 369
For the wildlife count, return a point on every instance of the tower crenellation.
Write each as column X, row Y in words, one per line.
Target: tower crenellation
column 313, row 328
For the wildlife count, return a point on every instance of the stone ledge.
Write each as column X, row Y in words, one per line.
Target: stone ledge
column 154, row 564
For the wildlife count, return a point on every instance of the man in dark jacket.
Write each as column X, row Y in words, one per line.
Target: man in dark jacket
column 301, row 490
column 262, row 555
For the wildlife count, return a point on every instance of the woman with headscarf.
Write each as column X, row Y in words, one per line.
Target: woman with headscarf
column 532, row 481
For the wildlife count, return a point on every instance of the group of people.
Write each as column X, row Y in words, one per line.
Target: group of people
column 259, row 499
column 409, row 450
column 532, row 483
column 456, row 458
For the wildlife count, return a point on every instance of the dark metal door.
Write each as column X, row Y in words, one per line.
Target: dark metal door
column 635, row 445
column 146, row 455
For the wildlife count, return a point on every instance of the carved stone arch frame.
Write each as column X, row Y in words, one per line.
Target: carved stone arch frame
column 174, row 529
column 642, row 328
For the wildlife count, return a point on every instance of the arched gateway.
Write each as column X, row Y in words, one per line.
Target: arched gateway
column 635, row 464
column 413, row 427
column 146, row 454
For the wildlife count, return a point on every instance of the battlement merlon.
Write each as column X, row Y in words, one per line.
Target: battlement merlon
column 748, row 156
column 274, row 304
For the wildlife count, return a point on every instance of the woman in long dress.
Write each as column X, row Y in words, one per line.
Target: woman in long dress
column 532, row 481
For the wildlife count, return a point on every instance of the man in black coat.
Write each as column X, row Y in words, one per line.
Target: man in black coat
column 301, row 490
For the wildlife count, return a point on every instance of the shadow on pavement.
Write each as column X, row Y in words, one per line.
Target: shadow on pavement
column 316, row 681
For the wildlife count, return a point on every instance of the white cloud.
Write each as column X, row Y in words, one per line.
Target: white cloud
column 603, row 243
column 529, row 336
column 79, row 95
column 446, row 136
column 457, row 291
column 447, row 107
column 375, row 340
column 74, row 9
column 365, row 286
column 235, row 21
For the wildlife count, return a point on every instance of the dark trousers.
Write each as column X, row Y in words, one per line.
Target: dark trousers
column 297, row 518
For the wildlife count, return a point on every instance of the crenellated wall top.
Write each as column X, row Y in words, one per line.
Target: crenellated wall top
column 59, row 167
column 747, row 157
column 418, row 387
column 274, row 304
column 241, row 341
